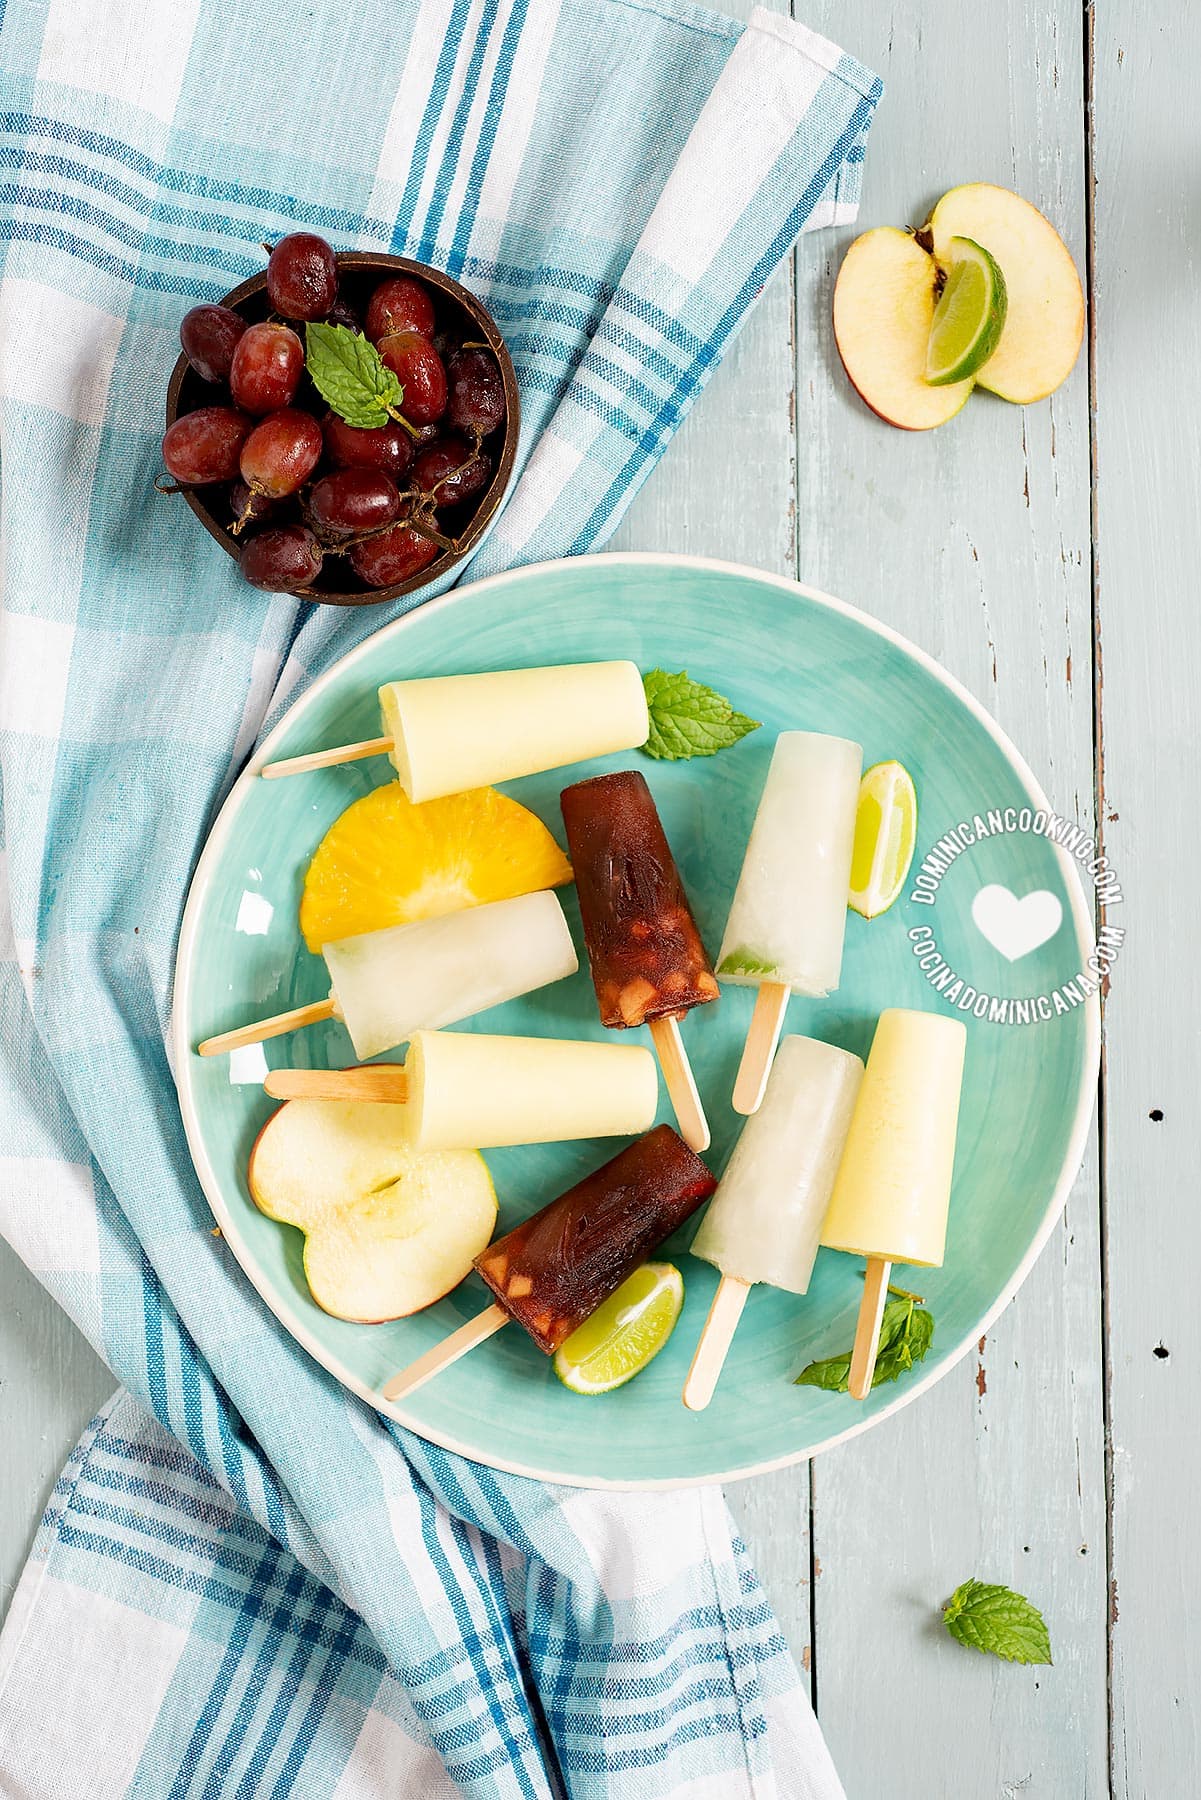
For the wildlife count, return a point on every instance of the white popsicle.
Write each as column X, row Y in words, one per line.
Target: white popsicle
column 764, row 1223
column 388, row 984
column 467, row 1091
column 787, row 921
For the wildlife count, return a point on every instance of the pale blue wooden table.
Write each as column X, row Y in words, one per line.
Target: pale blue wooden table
column 1029, row 551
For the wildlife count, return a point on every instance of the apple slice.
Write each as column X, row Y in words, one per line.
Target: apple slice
column 884, row 302
column 387, row 1230
column 1044, row 326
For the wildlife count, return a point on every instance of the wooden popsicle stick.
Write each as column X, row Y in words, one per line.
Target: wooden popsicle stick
column 715, row 1340
column 680, row 1083
column 376, row 1081
column 867, row 1331
column 268, row 1028
column 767, row 1021
column 448, row 1351
column 326, row 759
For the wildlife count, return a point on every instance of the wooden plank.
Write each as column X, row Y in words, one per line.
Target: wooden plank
column 726, row 489
column 50, row 1385
column 1148, row 437
column 974, row 540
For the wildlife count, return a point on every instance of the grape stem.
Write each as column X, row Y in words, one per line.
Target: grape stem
column 162, row 486
column 401, row 420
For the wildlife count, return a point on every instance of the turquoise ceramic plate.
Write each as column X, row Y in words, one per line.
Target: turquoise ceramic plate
column 791, row 658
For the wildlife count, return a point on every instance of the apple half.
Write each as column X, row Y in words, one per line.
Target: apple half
column 387, row 1229
column 884, row 302
column 1044, row 326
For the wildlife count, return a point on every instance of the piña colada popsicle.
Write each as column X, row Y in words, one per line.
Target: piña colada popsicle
column 893, row 1187
column 765, row 1221
column 447, row 733
column 787, row 920
column 464, row 1091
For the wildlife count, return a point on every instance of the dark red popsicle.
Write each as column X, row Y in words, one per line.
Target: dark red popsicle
column 552, row 1272
column 644, row 950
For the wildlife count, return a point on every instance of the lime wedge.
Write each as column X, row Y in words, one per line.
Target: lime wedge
column 624, row 1334
column 970, row 316
column 885, row 834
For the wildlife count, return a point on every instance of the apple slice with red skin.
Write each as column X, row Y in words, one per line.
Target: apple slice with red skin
column 1044, row 324
column 388, row 1230
column 884, row 302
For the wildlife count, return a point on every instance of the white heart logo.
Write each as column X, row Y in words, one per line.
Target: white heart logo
column 1016, row 927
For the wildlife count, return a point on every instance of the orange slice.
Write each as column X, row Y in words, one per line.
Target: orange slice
column 388, row 862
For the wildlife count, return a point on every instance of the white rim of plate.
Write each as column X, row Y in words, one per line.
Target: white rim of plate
column 210, row 856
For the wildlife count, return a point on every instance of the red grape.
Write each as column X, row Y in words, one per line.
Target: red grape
column 477, row 392
column 451, row 471
column 418, row 367
column 386, row 447
column 401, row 304
column 353, row 500
column 302, row 276
column 209, row 335
column 249, row 508
column 281, row 453
column 392, row 556
column 283, row 558
column 342, row 313
column 204, row 446
column 266, row 369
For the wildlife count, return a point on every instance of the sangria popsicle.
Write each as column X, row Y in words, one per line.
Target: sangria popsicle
column 551, row 1272
column 648, row 963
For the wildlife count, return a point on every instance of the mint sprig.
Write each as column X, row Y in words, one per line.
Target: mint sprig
column 994, row 1620
column 688, row 718
column 906, row 1334
column 348, row 373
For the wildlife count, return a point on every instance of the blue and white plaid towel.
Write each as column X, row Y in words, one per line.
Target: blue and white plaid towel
column 249, row 1584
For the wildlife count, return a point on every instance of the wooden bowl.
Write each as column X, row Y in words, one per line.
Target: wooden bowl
column 359, row 271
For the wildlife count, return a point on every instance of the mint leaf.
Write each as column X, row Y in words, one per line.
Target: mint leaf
column 744, row 962
column 993, row 1619
column 906, row 1333
column 688, row 718
column 347, row 372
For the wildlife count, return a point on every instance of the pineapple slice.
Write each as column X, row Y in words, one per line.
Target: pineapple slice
column 386, row 861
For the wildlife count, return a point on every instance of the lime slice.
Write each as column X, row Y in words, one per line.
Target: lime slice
column 970, row 316
column 885, row 834
column 624, row 1334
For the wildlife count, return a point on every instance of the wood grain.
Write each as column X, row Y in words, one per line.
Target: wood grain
column 1147, row 234
column 975, row 541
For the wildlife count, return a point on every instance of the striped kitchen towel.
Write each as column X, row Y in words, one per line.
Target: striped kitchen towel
column 248, row 1583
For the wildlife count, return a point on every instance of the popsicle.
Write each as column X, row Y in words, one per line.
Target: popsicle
column 553, row 1271
column 385, row 985
column 788, row 916
column 765, row 1221
column 446, row 733
column 465, row 1091
column 648, row 963
column 893, row 1186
